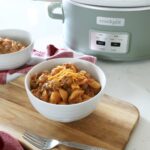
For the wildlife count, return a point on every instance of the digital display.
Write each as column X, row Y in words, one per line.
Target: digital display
column 100, row 43
column 115, row 44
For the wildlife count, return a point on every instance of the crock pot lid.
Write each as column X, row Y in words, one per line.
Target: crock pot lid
column 115, row 3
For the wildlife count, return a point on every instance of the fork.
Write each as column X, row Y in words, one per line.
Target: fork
column 47, row 144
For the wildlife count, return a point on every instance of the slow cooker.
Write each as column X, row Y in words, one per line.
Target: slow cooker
column 109, row 29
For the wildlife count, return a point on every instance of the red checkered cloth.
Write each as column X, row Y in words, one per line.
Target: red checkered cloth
column 39, row 56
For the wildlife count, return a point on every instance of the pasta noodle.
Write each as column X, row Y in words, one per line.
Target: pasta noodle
column 8, row 45
column 64, row 84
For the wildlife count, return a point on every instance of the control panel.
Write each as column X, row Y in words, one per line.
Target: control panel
column 111, row 42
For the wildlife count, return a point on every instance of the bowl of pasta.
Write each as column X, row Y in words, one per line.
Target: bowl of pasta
column 15, row 48
column 65, row 89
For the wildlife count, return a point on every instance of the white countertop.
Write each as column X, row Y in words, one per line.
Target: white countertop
column 129, row 81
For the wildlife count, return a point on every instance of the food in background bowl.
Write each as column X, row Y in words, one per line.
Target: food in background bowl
column 64, row 84
column 64, row 112
column 8, row 45
column 16, row 58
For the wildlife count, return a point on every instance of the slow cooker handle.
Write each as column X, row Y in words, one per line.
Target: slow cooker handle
column 51, row 9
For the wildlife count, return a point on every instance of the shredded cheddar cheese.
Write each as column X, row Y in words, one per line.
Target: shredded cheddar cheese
column 67, row 73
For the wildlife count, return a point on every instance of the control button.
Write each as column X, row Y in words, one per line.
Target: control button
column 100, row 43
column 115, row 44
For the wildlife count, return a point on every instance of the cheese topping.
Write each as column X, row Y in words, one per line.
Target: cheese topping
column 67, row 73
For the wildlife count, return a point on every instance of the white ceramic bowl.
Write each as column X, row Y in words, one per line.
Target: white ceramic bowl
column 72, row 112
column 19, row 58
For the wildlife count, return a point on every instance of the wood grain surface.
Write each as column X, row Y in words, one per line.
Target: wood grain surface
column 109, row 126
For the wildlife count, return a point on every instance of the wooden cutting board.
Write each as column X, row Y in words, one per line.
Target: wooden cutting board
column 109, row 126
